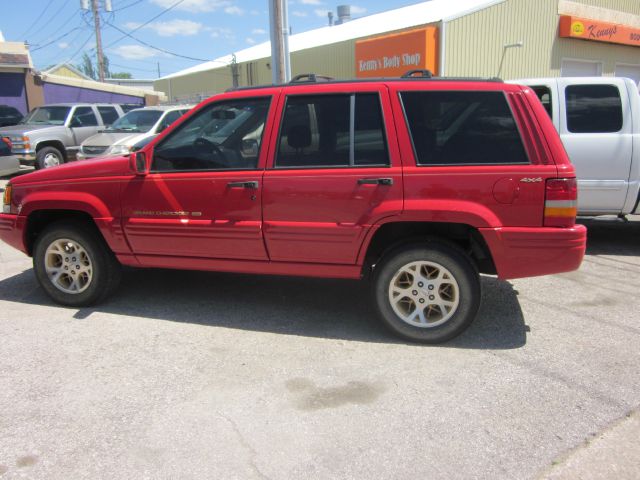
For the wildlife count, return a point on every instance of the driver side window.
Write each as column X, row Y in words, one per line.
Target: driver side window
column 222, row 136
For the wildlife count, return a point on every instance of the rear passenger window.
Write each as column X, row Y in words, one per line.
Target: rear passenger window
column 84, row 117
column 108, row 114
column 544, row 95
column 462, row 128
column 593, row 109
column 332, row 131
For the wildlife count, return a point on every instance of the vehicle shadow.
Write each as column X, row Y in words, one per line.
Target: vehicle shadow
column 337, row 309
column 613, row 237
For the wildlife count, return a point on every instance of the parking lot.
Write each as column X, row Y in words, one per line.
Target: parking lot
column 207, row 375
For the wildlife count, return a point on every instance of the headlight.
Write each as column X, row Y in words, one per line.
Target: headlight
column 6, row 199
column 120, row 150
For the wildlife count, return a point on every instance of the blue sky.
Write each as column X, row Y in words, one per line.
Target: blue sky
column 57, row 31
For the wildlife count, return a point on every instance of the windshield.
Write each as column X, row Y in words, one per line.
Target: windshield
column 136, row 121
column 47, row 116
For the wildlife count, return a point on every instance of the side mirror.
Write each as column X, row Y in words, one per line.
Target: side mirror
column 138, row 163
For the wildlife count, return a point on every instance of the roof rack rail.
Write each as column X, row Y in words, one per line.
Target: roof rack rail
column 412, row 74
column 310, row 78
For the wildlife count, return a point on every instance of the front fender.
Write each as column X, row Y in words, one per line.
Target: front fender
column 78, row 201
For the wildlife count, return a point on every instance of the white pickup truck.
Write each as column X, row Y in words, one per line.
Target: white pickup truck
column 598, row 119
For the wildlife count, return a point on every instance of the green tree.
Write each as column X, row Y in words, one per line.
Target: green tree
column 121, row 75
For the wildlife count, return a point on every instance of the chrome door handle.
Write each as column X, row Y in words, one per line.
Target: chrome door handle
column 253, row 185
column 375, row 181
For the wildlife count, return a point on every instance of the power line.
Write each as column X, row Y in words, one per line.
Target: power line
column 144, row 24
column 119, row 9
column 37, row 19
column 158, row 48
column 54, row 41
column 61, row 25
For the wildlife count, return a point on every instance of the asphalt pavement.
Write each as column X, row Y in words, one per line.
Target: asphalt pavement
column 207, row 375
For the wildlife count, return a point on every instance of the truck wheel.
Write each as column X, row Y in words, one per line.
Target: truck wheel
column 427, row 293
column 74, row 266
column 49, row 157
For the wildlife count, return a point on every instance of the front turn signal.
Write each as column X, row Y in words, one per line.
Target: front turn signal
column 6, row 199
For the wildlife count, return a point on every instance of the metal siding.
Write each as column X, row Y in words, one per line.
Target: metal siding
column 474, row 43
column 12, row 91
column 55, row 93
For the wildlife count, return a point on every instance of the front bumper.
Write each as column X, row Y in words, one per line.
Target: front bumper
column 27, row 158
column 528, row 252
column 12, row 230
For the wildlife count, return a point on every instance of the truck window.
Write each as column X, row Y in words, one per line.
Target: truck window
column 462, row 128
column 544, row 95
column 84, row 117
column 108, row 114
column 332, row 131
column 593, row 109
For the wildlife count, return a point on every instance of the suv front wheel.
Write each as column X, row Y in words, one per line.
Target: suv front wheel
column 427, row 293
column 49, row 157
column 74, row 266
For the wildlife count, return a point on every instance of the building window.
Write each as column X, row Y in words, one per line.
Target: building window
column 580, row 68
column 332, row 131
column 462, row 128
column 593, row 109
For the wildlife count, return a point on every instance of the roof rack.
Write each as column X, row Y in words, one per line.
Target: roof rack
column 311, row 78
column 411, row 75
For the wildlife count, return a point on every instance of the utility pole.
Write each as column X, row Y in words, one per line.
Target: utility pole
column 100, row 54
column 158, row 69
column 279, row 41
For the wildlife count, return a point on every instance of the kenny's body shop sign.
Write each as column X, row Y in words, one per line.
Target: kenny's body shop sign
column 393, row 55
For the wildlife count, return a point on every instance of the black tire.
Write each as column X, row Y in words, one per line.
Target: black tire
column 106, row 271
column 42, row 154
column 448, row 257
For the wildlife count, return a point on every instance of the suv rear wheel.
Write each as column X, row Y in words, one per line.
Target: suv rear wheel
column 74, row 266
column 428, row 293
column 49, row 157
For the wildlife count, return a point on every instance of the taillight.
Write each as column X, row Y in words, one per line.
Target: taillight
column 7, row 140
column 560, row 202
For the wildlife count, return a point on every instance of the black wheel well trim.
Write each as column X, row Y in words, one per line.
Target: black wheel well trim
column 395, row 235
column 39, row 220
column 57, row 144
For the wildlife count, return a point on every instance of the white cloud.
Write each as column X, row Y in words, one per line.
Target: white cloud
column 355, row 10
column 195, row 6
column 132, row 25
column 234, row 10
column 175, row 27
column 135, row 52
column 321, row 13
column 63, row 45
column 220, row 32
column 250, row 41
column 258, row 31
column 254, row 12
column 297, row 13
column 311, row 2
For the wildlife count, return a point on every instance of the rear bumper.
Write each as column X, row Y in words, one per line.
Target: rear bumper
column 529, row 252
column 12, row 231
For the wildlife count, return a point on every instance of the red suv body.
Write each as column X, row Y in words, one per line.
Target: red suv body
column 336, row 179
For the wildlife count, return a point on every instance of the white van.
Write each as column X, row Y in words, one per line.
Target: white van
column 598, row 119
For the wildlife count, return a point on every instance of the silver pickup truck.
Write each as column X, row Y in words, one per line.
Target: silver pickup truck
column 52, row 134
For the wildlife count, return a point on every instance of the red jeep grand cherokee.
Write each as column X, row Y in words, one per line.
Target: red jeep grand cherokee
column 420, row 183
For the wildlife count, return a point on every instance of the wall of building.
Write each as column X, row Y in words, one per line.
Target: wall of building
column 475, row 43
column 12, row 91
column 55, row 93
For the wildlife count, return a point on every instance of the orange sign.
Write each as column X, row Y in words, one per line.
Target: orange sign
column 594, row 30
column 393, row 55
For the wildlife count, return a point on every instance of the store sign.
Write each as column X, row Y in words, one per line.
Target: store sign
column 594, row 30
column 393, row 55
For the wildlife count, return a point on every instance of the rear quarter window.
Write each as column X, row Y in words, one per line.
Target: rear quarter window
column 593, row 109
column 462, row 128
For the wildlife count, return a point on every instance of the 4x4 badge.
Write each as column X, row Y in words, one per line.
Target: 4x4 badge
column 531, row 180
